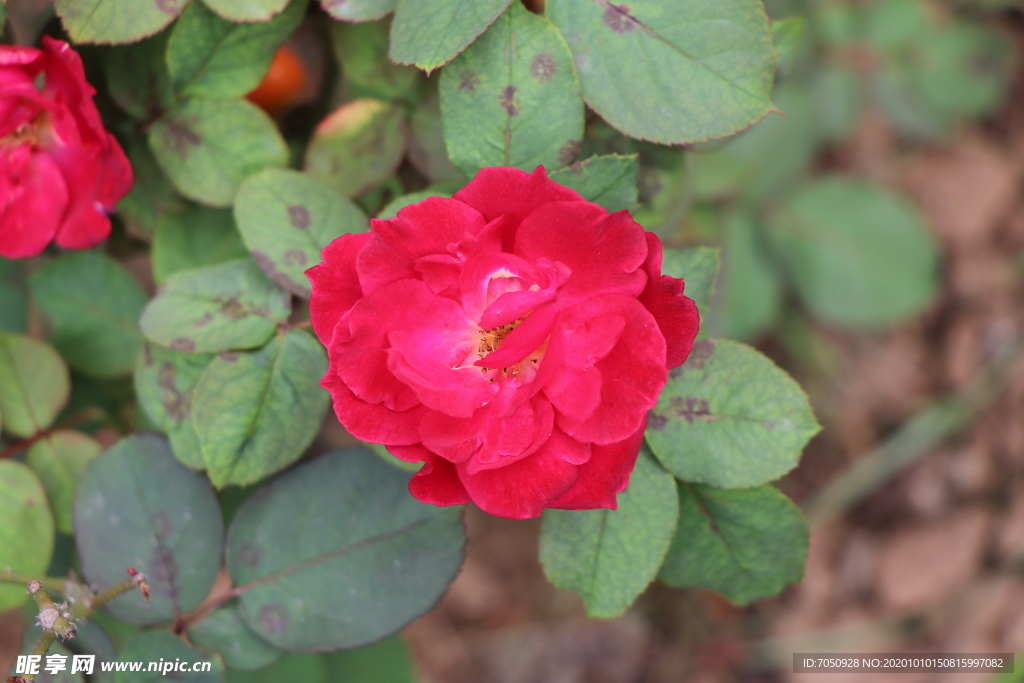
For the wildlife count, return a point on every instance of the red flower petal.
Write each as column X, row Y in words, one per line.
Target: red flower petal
column 437, row 482
column 676, row 313
column 33, row 197
column 603, row 476
column 372, row 423
column 335, row 284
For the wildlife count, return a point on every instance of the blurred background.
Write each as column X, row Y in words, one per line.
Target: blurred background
column 873, row 246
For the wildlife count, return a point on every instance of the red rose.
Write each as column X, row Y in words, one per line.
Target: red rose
column 512, row 338
column 60, row 170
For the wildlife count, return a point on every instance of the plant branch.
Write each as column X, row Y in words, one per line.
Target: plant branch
column 51, row 583
column 88, row 415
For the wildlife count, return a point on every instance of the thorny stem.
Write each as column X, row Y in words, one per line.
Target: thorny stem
column 49, row 583
column 87, row 415
column 116, row 590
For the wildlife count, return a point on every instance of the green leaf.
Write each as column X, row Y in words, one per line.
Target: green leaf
column 609, row 556
column 137, row 77
column 26, row 535
column 359, row 145
column 231, row 305
column 256, row 412
column 224, row 632
column 362, row 51
column 388, row 661
column 287, row 218
column 719, row 54
column 729, row 417
column 164, row 383
column 138, row 507
column 399, row 203
column 427, row 151
column 751, row 287
column 743, row 543
column 698, row 266
column 208, row 56
column 13, row 302
column 208, row 147
column 151, row 195
column 512, row 98
column 92, row 305
column 430, row 33
column 247, row 10
column 379, row 558
column 306, row 668
column 59, row 461
column 359, row 10
column 787, row 34
column 860, row 255
column 34, row 384
column 116, row 21
column 167, row 649
column 194, row 237
column 610, row 181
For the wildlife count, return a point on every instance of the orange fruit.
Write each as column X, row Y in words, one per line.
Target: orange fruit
column 284, row 83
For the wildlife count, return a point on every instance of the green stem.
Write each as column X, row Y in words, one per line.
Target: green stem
column 113, row 592
column 52, row 584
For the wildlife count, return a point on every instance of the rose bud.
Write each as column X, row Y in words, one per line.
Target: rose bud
column 61, row 172
column 512, row 338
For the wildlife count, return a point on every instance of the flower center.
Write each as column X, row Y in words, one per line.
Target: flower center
column 491, row 339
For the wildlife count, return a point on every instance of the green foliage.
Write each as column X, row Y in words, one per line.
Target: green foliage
column 427, row 151
column 609, row 556
column 255, row 413
column 720, row 56
column 376, row 553
column 512, row 98
column 13, row 302
column 34, row 384
column 430, row 33
column 872, row 264
column 359, row 10
column 232, row 305
column 138, row 507
column 387, row 661
column 751, row 285
column 247, row 10
column 208, row 56
column 223, row 631
column 116, row 21
column 164, row 646
column 151, row 196
column 164, row 384
column 698, row 267
column 362, row 51
column 729, row 417
column 399, row 203
column 92, row 305
column 287, row 218
column 208, row 147
column 137, row 77
column 59, row 461
column 294, row 667
column 194, row 237
column 743, row 543
column 358, row 146
column 26, row 535
column 606, row 180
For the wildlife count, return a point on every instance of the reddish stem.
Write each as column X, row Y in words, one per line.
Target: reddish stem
column 87, row 415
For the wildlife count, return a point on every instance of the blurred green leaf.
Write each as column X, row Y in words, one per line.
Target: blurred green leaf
column 138, row 507
column 720, row 57
column 59, row 461
column 151, row 195
column 115, row 21
column 610, row 181
column 231, row 305
column 399, row 203
column 248, row 10
column 743, row 543
column 837, row 100
column 208, row 56
column 358, row 10
column 359, row 145
column 427, row 151
column 26, row 535
column 92, row 305
column 729, row 417
column 208, row 147
column 362, row 50
column 378, row 553
column 388, row 661
column 167, row 649
column 164, row 382
column 224, row 632
column 430, row 33
column 13, row 302
column 34, row 384
column 194, row 237
column 256, row 412
column 751, row 295
column 698, row 267
column 860, row 255
column 609, row 556
column 787, row 34
column 512, row 98
column 306, row 668
column 287, row 218
column 137, row 77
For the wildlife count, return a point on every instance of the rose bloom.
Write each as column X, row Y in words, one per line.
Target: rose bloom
column 60, row 170
column 512, row 338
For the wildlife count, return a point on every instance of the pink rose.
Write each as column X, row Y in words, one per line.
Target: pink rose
column 61, row 172
column 512, row 338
